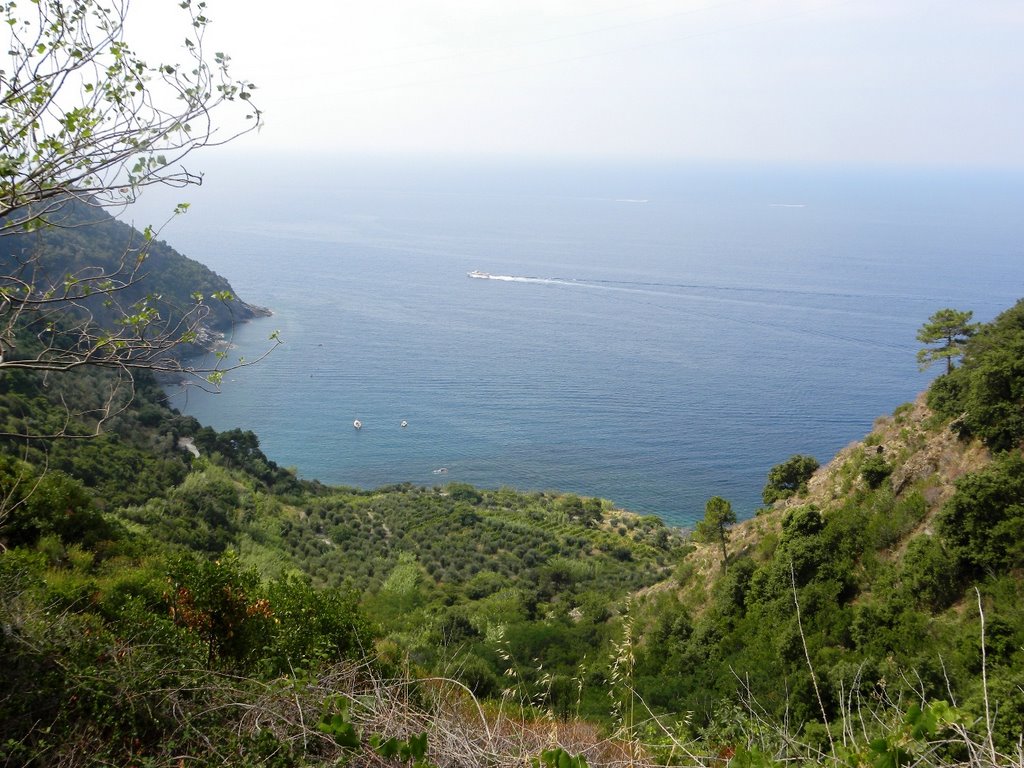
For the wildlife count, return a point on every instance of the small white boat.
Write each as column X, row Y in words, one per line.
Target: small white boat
column 479, row 275
column 441, row 471
column 357, row 424
column 404, row 423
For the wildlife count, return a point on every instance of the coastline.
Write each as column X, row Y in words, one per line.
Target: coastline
column 209, row 340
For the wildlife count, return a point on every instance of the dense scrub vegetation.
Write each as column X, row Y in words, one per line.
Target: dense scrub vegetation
column 880, row 580
column 228, row 563
column 149, row 600
column 985, row 395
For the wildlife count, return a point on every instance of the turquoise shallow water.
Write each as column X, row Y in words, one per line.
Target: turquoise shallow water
column 670, row 333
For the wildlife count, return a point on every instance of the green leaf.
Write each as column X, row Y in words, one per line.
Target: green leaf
column 418, row 746
column 388, row 748
column 347, row 736
column 888, row 755
column 751, row 758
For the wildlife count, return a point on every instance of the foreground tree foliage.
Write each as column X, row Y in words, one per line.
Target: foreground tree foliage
column 87, row 123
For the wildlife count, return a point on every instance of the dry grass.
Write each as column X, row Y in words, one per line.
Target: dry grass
column 465, row 733
column 462, row 732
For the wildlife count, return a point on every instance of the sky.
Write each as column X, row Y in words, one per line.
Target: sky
column 920, row 83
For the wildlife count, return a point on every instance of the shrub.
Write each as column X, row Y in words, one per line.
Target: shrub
column 875, row 469
column 222, row 603
column 929, row 575
column 54, row 504
column 464, row 492
column 312, row 625
column 983, row 522
column 789, row 478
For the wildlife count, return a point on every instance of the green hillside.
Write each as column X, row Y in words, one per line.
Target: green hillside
column 164, row 608
column 86, row 271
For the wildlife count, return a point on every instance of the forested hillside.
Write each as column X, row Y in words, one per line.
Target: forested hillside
column 82, row 243
column 895, row 572
column 162, row 608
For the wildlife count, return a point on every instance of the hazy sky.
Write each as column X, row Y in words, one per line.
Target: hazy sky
column 905, row 82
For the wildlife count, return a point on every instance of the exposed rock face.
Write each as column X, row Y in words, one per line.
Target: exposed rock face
column 188, row 444
column 919, row 450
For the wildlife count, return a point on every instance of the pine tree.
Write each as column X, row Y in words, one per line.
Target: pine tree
column 718, row 517
column 950, row 326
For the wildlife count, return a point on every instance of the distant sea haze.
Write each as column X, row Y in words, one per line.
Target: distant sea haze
column 654, row 336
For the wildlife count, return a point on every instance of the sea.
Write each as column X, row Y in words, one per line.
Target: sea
column 651, row 333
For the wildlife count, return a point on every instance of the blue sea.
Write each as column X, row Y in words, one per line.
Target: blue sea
column 654, row 335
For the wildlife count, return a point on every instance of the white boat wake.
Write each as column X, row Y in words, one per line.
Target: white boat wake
column 518, row 278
